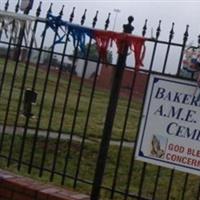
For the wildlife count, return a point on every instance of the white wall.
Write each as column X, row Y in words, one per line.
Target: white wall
column 90, row 68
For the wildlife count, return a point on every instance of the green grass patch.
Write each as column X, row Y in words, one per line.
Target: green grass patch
column 87, row 169
column 94, row 130
column 98, row 109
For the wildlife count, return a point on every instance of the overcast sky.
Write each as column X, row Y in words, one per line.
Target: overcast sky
column 179, row 12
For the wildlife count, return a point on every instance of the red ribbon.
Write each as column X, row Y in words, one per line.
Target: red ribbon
column 103, row 39
column 135, row 43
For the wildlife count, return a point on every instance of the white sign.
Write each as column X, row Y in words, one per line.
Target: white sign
column 169, row 134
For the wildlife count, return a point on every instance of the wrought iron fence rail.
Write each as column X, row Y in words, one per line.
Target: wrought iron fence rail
column 45, row 154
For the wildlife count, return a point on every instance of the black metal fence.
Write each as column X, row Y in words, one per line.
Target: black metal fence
column 82, row 130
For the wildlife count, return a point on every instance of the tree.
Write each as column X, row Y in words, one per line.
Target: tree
column 93, row 54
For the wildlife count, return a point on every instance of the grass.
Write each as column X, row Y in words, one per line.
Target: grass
column 95, row 127
column 87, row 169
column 97, row 114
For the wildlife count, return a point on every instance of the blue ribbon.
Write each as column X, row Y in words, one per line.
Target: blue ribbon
column 55, row 22
column 78, row 33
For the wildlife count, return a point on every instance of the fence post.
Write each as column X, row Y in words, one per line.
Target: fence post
column 112, row 106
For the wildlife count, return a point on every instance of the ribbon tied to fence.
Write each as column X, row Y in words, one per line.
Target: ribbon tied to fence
column 12, row 23
column 102, row 38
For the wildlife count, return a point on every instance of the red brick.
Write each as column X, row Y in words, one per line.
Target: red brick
column 3, row 198
column 5, row 193
column 20, row 188
column 31, row 186
column 12, row 182
column 50, row 190
column 6, row 176
column 60, row 196
column 43, row 194
column 80, row 197
column 17, row 196
column 24, row 185
column 66, row 193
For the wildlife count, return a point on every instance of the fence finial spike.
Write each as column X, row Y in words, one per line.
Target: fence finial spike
column 186, row 34
column 72, row 14
column 83, row 17
column 17, row 7
column 95, row 19
column 171, row 33
column 107, row 21
column 61, row 11
column 144, row 30
column 38, row 11
column 6, row 5
column 158, row 30
column 50, row 8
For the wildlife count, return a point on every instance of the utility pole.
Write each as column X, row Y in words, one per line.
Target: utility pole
column 117, row 11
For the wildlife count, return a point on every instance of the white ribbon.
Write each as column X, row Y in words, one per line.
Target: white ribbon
column 11, row 24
